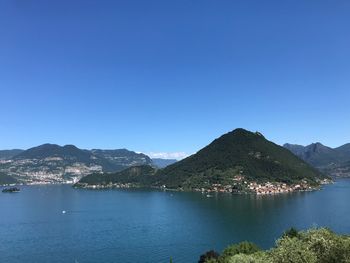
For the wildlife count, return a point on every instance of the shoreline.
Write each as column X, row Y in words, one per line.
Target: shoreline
column 202, row 190
column 207, row 191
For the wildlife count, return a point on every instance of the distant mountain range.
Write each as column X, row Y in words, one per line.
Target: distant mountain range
column 162, row 163
column 239, row 155
column 51, row 163
column 332, row 161
column 8, row 154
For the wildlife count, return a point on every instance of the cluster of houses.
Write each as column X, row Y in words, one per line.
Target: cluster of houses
column 51, row 170
column 104, row 186
column 240, row 185
column 277, row 188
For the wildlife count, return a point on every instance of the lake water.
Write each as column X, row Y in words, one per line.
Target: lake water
column 150, row 226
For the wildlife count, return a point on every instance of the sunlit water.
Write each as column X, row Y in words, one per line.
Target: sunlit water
column 150, row 226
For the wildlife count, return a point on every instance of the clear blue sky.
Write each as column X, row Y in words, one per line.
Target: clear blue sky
column 170, row 76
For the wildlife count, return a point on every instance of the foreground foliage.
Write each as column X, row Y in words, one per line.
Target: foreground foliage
column 312, row 246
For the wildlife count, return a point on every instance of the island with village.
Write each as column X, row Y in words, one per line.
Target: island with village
column 239, row 186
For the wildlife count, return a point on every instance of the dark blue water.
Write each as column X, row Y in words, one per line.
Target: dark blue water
column 151, row 226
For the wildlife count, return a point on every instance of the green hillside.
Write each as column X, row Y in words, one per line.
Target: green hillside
column 316, row 245
column 137, row 175
column 237, row 153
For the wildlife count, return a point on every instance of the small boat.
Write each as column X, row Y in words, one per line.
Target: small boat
column 11, row 190
column 208, row 195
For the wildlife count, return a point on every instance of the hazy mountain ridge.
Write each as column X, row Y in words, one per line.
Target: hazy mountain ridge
column 332, row 161
column 162, row 163
column 116, row 160
column 51, row 163
column 345, row 149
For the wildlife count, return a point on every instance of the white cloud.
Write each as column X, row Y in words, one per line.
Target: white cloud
column 168, row 155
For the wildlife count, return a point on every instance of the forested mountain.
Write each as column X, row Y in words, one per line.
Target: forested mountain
column 237, row 154
column 137, row 175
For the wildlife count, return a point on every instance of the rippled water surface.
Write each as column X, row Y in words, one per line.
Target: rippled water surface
column 150, row 226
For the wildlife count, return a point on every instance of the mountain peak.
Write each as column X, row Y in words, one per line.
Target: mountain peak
column 240, row 131
column 318, row 144
column 46, row 145
column 53, row 150
column 239, row 152
column 319, row 155
column 240, row 134
column 318, row 147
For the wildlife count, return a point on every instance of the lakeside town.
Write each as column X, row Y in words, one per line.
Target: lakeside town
column 240, row 186
column 53, row 170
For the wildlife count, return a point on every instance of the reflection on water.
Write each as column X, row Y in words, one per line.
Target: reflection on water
column 151, row 226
